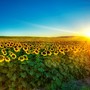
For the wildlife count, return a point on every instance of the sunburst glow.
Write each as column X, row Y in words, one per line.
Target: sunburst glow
column 87, row 34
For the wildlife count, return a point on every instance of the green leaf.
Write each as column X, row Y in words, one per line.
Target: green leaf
column 22, row 67
column 57, row 81
column 53, row 86
column 13, row 78
column 40, row 69
column 31, row 72
column 10, row 74
column 23, row 75
column 30, row 63
column 24, row 84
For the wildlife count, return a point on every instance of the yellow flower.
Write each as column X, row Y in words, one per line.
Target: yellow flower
column 24, row 45
column 56, row 52
column 25, row 57
column 36, row 51
column 30, row 45
column 7, row 59
column 52, row 49
column 44, row 53
column 19, row 45
column 28, row 52
column 16, row 49
column 13, row 56
column 4, row 51
column 25, row 49
column 8, row 45
column 75, row 51
column 2, row 58
column 49, row 53
column 10, row 53
column 11, row 44
column 21, row 58
column 5, row 43
column 62, row 51
column 16, row 44
column 37, row 48
column 1, row 45
column 66, row 49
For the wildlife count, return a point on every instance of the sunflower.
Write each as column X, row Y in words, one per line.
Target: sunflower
column 36, row 51
column 25, row 57
column 62, row 51
column 7, row 59
column 12, row 44
column 72, row 48
column 38, row 48
column 75, row 51
column 66, row 49
column 49, row 52
column 21, row 58
column 52, row 49
column 25, row 49
column 13, row 56
column 16, row 49
column 1, row 45
column 44, row 53
column 19, row 45
column 10, row 53
column 2, row 58
column 4, row 51
column 30, row 45
column 5, row 43
column 16, row 44
column 8, row 45
column 56, row 52
column 24, row 45
column 28, row 52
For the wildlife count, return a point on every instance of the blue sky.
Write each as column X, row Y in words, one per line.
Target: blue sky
column 44, row 17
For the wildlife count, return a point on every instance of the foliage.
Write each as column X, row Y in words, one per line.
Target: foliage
column 33, row 65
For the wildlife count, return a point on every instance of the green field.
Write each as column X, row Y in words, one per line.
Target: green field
column 40, row 63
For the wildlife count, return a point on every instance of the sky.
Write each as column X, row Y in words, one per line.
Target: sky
column 44, row 17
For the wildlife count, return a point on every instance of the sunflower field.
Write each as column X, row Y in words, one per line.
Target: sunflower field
column 44, row 65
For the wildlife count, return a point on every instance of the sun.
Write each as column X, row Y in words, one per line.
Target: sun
column 87, row 34
column 86, row 31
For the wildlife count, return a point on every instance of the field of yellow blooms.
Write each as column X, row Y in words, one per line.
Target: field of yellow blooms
column 51, row 64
